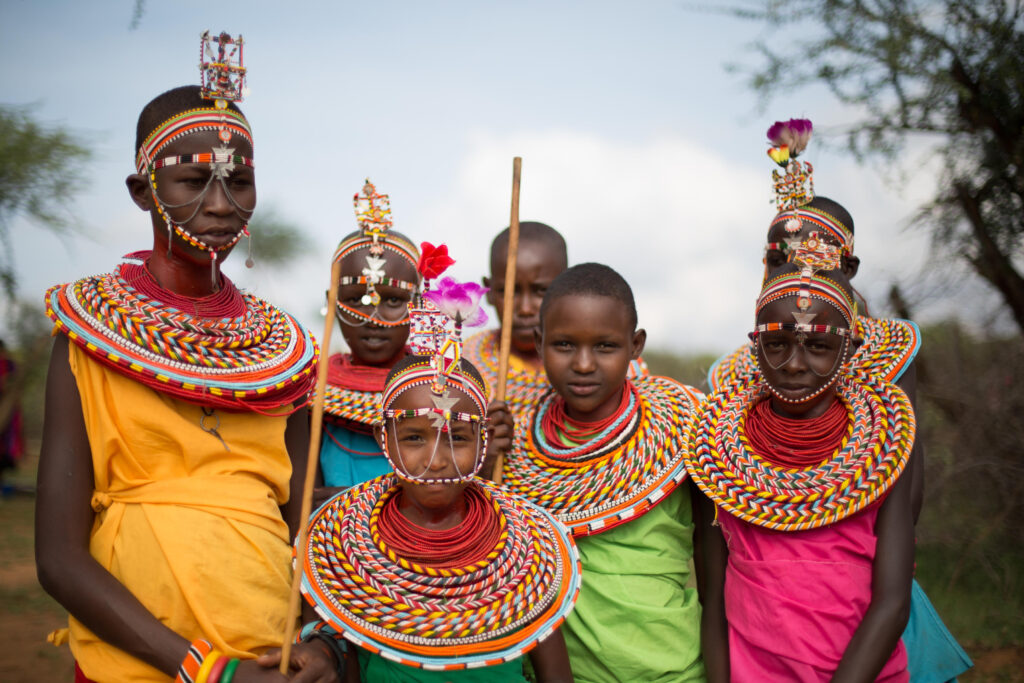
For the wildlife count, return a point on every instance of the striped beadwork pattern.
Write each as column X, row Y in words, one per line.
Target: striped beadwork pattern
column 870, row 458
column 439, row 619
column 890, row 345
column 622, row 477
column 261, row 360
column 352, row 404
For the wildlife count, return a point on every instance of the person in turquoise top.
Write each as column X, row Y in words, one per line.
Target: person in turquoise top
column 378, row 279
column 602, row 452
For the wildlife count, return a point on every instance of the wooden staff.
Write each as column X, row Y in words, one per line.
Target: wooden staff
column 316, row 427
column 506, row 311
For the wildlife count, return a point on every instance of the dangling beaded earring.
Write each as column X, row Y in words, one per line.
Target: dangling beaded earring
column 170, row 235
column 249, row 261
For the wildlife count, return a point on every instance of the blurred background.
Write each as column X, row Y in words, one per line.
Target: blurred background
column 642, row 131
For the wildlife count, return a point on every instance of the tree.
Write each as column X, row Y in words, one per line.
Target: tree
column 952, row 70
column 40, row 172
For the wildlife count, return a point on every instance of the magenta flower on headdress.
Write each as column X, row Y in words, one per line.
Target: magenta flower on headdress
column 460, row 302
column 794, row 134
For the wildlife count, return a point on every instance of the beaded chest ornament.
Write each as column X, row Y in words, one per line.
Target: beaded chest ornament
column 373, row 214
column 618, row 474
column 223, row 79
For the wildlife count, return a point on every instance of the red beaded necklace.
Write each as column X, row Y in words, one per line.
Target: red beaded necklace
column 559, row 428
column 227, row 302
column 797, row 443
column 467, row 542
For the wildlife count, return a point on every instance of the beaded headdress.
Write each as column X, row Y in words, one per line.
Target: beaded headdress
column 373, row 214
column 793, row 188
column 437, row 320
column 223, row 81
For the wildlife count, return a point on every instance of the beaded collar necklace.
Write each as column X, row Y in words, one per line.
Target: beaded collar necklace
column 260, row 359
column 490, row 611
column 868, row 461
column 621, row 474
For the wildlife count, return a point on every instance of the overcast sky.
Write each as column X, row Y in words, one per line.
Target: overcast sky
column 637, row 144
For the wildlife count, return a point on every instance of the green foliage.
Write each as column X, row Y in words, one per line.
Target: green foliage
column 950, row 71
column 689, row 369
column 275, row 240
column 40, row 172
column 970, row 412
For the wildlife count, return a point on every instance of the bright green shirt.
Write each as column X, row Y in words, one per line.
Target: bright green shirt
column 636, row 619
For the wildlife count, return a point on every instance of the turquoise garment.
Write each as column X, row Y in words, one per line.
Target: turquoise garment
column 636, row 618
column 350, row 457
column 375, row 669
column 933, row 655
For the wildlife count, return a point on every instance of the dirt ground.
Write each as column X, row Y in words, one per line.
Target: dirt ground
column 27, row 614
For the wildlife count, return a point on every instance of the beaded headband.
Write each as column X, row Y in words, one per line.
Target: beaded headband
column 806, row 287
column 819, row 221
column 226, row 121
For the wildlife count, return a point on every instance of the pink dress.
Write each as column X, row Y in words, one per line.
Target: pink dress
column 794, row 599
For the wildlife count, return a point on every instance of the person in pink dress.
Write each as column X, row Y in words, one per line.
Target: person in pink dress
column 808, row 546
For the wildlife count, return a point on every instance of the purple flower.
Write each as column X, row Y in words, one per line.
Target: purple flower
column 460, row 302
column 795, row 134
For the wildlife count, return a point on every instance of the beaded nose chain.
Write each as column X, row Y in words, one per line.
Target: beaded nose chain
column 373, row 214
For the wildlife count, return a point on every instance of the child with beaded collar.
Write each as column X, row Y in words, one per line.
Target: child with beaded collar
column 541, row 257
column 808, row 575
column 378, row 279
column 433, row 574
column 813, row 226
column 603, row 453
column 173, row 452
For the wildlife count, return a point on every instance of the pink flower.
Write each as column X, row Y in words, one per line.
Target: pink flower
column 460, row 302
column 433, row 260
column 795, row 134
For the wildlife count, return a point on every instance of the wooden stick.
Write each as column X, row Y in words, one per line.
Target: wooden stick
column 510, row 286
column 312, row 458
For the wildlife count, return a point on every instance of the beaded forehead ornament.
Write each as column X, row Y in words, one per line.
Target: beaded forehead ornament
column 437, row 320
column 223, row 81
column 373, row 214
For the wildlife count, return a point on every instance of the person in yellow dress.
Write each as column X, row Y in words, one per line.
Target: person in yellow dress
column 173, row 449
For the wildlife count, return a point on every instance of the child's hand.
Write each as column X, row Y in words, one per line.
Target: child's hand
column 500, row 430
column 310, row 662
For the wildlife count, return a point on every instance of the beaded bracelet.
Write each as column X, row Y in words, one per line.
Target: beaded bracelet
column 337, row 647
column 198, row 650
column 229, row 671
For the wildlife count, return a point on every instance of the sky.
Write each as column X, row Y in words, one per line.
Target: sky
column 637, row 143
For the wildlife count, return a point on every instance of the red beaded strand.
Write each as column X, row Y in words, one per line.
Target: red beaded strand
column 468, row 542
column 797, row 443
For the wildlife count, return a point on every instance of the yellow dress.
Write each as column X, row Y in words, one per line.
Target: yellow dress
column 194, row 531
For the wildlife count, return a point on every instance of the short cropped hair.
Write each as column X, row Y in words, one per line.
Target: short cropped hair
column 535, row 232
column 590, row 279
column 166, row 105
